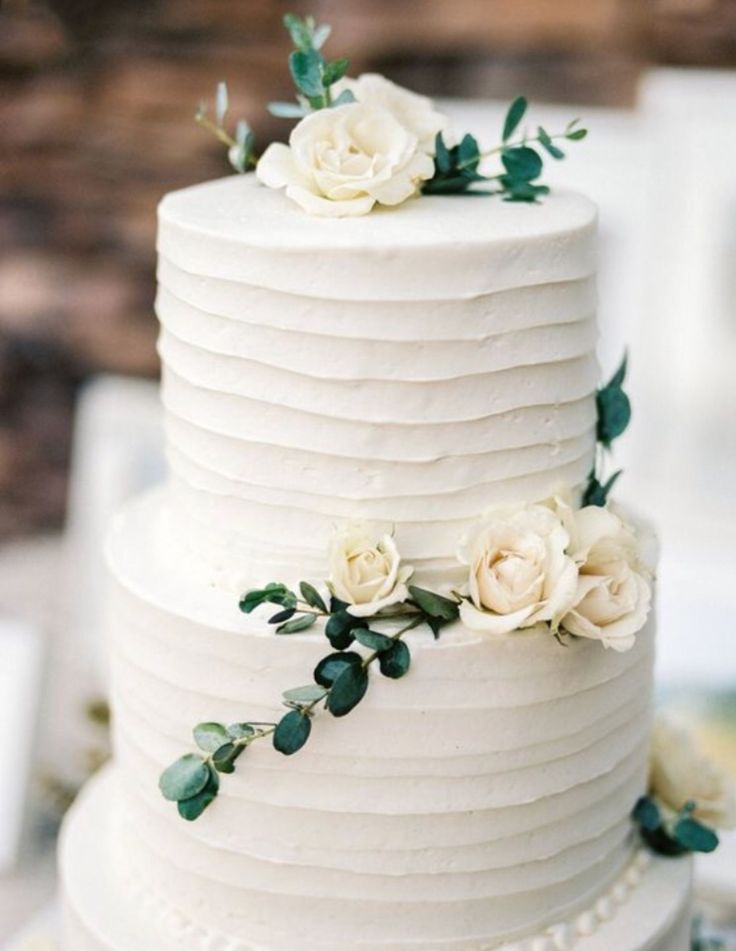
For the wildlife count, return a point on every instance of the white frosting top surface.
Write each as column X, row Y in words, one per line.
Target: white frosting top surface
column 236, row 229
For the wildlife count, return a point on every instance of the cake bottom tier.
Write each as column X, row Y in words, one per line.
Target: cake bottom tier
column 648, row 909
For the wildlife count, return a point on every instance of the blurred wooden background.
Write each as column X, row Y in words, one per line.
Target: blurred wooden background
column 96, row 104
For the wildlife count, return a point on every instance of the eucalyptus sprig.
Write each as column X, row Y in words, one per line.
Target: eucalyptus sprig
column 457, row 167
column 340, row 681
column 313, row 75
column 241, row 145
column 677, row 835
column 614, row 414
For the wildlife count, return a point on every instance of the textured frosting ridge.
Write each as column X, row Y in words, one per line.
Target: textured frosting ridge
column 412, row 372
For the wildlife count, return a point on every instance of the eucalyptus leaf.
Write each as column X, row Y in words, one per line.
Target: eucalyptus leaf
column 548, row 145
column 301, row 35
column 435, row 605
column 287, row 110
column 618, row 378
column 646, row 813
column 468, row 152
column 333, row 72
column 694, row 836
column 185, row 778
column 348, row 690
column 312, row 597
column 373, row 640
column 300, row 623
column 306, row 70
column 614, row 414
column 522, row 163
column 577, row 135
column 597, row 494
column 239, row 731
column 192, row 808
column 516, row 112
column 321, row 35
column 339, row 629
column 224, row 758
column 345, row 98
column 273, row 593
column 329, row 668
column 306, row 694
column 222, row 103
column 292, row 732
column 210, row 736
column 442, row 158
column 395, row 662
column 281, row 616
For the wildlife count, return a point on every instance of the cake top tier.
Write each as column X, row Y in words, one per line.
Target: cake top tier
column 439, row 248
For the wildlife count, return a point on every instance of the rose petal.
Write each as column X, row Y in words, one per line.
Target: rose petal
column 325, row 208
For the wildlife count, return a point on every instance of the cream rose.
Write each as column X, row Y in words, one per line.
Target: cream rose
column 415, row 113
column 520, row 574
column 680, row 773
column 366, row 574
column 342, row 161
column 613, row 594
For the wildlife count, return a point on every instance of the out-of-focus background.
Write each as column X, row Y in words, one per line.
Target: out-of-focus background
column 96, row 108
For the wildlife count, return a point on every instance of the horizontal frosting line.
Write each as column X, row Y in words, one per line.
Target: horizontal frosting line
column 333, row 358
column 493, row 856
column 458, row 400
column 299, row 487
column 428, row 249
column 455, row 511
column 248, row 420
column 401, row 321
column 241, row 459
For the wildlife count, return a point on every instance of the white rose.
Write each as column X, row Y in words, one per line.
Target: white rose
column 681, row 773
column 520, row 574
column 613, row 595
column 366, row 574
column 415, row 113
column 342, row 161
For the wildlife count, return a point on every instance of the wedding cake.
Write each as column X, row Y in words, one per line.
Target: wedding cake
column 402, row 404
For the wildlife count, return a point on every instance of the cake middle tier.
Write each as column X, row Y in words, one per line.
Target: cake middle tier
column 415, row 415
column 482, row 798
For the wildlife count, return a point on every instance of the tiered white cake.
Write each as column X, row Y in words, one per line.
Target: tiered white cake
column 410, row 367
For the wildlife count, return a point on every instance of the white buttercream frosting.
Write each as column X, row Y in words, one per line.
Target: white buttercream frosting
column 411, row 370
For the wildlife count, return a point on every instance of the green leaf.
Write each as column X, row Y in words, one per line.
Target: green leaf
column 515, row 114
column 617, row 380
column 577, row 135
column 307, row 694
column 292, row 732
column 224, row 759
column 395, row 662
column 272, row 594
column 442, row 159
column 468, row 152
column 434, row 604
column 646, row 813
column 287, row 110
column 239, row 731
column 339, row 629
column 345, row 98
column 300, row 623
column 549, row 146
column 282, row 616
column 329, row 668
column 597, row 494
column 334, row 72
column 306, row 71
column 348, row 690
column 192, row 808
column 312, row 596
column 523, row 164
column 301, row 35
column 210, row 736
column 373, row 640
column 614, row 414
column 185, row 778
column 321, row 35
column 694, row 836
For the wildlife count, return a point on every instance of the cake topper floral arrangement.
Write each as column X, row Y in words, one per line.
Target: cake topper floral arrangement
column 364, row 142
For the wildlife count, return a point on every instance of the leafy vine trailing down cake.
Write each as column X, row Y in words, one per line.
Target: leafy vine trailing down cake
column 578, row 570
